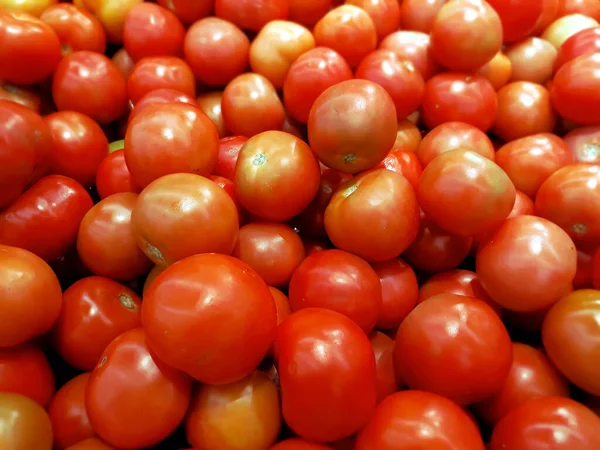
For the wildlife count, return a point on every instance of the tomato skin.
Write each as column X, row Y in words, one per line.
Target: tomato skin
column 414, row 46
column 498, row 71
column 518, row 19
column 251, row 14
column 95, row 311
column 569, row 198
column 25, row 370
column 332, row 397
column 113, row 176
column 383, row 348
column 161, row 96
column 193, row 146
column 210, row 104
column 456, row 97
column 112, row 15
column 156, row 72
column 30, row 48
column 134, row 400
column 45, row 219
column 419, row 15
column 90, row 83
column 20, row 416
column 584, row 42
column 123, row 62
column 91, row 444
column 339, row 281
column 237, row 314
column 416, row 419
column 584, row 143
column 229, row 150
column 70, row 422
column 575, row 90
column 406, row 163
column 27, row 96
column 298, row 444
column 475, row 352
column 526, row 285
column 547, row 422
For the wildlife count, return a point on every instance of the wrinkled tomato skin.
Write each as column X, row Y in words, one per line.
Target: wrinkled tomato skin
column 30, row 48
column 114, row 177
column 95, row 311
column 333, row 397
column 46, row 218
column 548, row 422
column 229, row 150
column 419, row 420
column 70, row 422
column 25, row 423
column 134, row 400
column 25, row 370
column 156, row 72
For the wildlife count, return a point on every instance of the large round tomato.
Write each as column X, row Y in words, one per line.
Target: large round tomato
column 25, row 424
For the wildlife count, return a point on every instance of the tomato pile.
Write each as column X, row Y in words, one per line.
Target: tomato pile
column 300, row 225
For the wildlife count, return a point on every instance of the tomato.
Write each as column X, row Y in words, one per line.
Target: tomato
column 497, row 71
column 374, row 215
column 339, row 281
column 566, row 26
column 191, row 146
column 408, row 138
column 180, row 215
column 216, row 50
column 415, row 47
column 123, row 62
column 132, row 399
column 229, row 150
column 24, row 95
column 518, row 19
column 419, row 15
column 582, row 43
column 250, row 105
column 240, row 415
column 385, row 15
column 30, row 48
column 222, row 303
column 419, row 420
column 70, row 422
column 588, row 7
column 276, row 176
column 25, row 423
column 274, row 250
column 276, row 47
column 158, row 96
column 45, row 219
column 188, row 12
column 548, row 422
column 210, row 103
column 333, row 397
column 282, row 304
column 397, row 76
column 349, row 30
column 531, row 375
column 151, row 30
column 113, row 176
column 465, row 35
column 584, row 144
column 91, row 444
column 568, row 198
column 79, row 146
column 352, row 126
column 584, row 278
column 112, row 14
column 474, row 355
column 452, row 136
column 251, row 14
column 383, row 348
column 90, row 83
column 436, row 250
column 25, row 370
column 543, row 264
column 156, row 72
column 229, row 187
column 298, row 444
column 456, row 97
column 478, row 194
column 532, row 60
column 406, row 163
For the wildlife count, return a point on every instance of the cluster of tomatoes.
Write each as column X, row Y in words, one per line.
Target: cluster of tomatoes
column 300, row 224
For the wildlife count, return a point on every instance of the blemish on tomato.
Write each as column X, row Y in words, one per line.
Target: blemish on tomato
column 579, row 228
column 126, row 301
column 349, row 158
column 259, row 159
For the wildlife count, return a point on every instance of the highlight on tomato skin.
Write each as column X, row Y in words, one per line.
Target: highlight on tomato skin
column 299, row 224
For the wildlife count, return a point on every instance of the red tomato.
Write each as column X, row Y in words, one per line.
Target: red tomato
column 569, row 198
column 298, row 444
column 188, row 12
column 529, row 161
column 25, row 370
column 532, row 60
column 459, row 97
column 210, row 103
column 282, row 304
column 229, row 187
column 414, row 46
column 95, row 311
column 245, row 413
column 374, row 215
column 251, row 14
column 587, row 7
column 24, row 95
column 46, row 218
column 91, row 444
column 276, row 176
column 548, row 422
column 543, row 264
column 352, row 126
column 474, row 352
column 383, row 348
column 169, row 138
column 156, row 72
column 397, row 76
column 37, row 287
column 216, row 50
column 161, row 96
column 477, row 194
column 339, row 281
column 406, row 163
column 575, row 90
column 332, row 397
column 30, row 48
column 584, row 144
column 582, row 43
column 229, row 150
column 250, row 105
column 385, row 14
column 151, row 30
column 419, row 15
column 222, row 303
column 113, row 176
column 349, row 30
column 585, row 268
column 134, row 400
column 90, row 83
column 70, row 421
column 518, row 18
column 415, row 419
column 112, row 14
column 408, row 136
column 25, row 424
